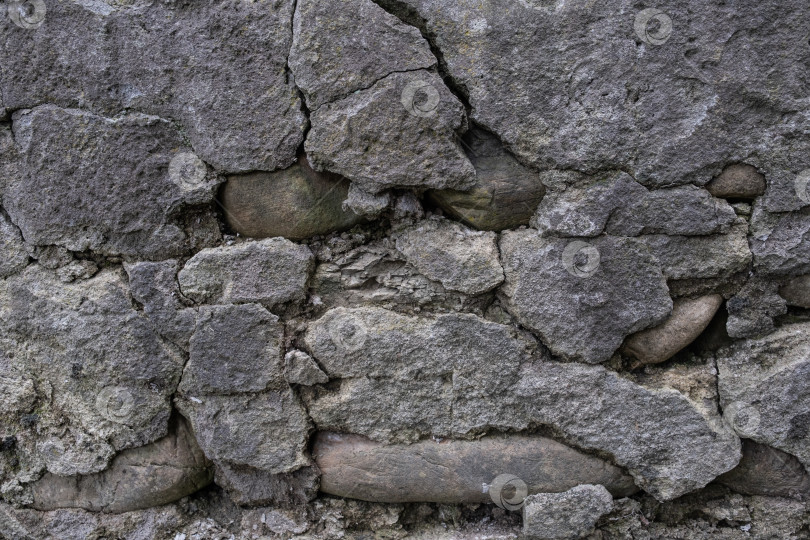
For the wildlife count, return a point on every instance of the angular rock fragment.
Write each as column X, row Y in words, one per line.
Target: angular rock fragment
column 295, row 203
column 253, row 487
column 767, row 471
column 300, row 368
column 582, row 298
column 154, row 285
column 159, row 473
column 235, row 102
column 765, row 389
column 780, row 243
column 343, row 46
column 569, row 515
column 505, row 194
column 13, row 256
column 455, row 471
column 461, row 259
column 738, row 181
column 400, row 132
column 269, row 272
column 689, row 319
column 752, row 310
column 620, row 206
column 363, row 203
column 796, row 292
column 234, row 349
column 106, row 184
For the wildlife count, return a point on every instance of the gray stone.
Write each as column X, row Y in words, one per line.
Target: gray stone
column 13, row 255
column 105, row 184
column 454, row 471
column 569, row 515
column 343, row 46
column 607, row 96
column 363, row 203
column 386, row 136
column 270, row 272
column 152, row 475
column 752, row 310
column 690, row 317
column 103, row 375
column 234, row 349
column 796, row 292
column 168, row 59
column 620, row 206
column 461, row 259
column 780, row 243
column 767, row 471
column 582, row 309
column 252, row 487
column 267, row 431
column 764, row 389
column 407, row 208
column 738, row 181
column 154, row 286
column 505, row 194
column 300, row 368
column 295, row 203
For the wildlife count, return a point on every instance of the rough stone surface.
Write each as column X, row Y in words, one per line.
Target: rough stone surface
column 572, row 514
column 270, row 272
column 689, row 319
column 738, row 181
column 253, row 487
column 505, row 194
column 780, row 243
column 462, row 260
column 218, row 69
column 796, row 292
column 376, row 138
column 583, row 310
column 13, row 256
column 151, row 475
column 751, row 311
column 454, row 471
column 300, row 368
column 344, row 46
column 104, row 184
column 767, row 471
column 363, row 203
column 764, row 389
column 295, row 203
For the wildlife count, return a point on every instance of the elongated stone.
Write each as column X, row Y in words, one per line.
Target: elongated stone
column 151, row 475
column 738, row 181
column 767, row 471
column 690, row 317
column 455, row 471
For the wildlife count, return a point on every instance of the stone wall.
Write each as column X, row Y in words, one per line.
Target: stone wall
column 404, row 269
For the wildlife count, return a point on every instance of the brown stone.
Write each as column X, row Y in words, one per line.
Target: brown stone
column 295, row 203
column 151, row 475
column 738, row 181
column 690, row 317
column 455, row 471
column 764, row 470
column 505, row 195
column 796, row 292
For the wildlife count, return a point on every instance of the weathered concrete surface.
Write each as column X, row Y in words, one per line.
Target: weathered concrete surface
column 454, row 471
column 569, row 515
column 151, row 475
column 689, row 319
